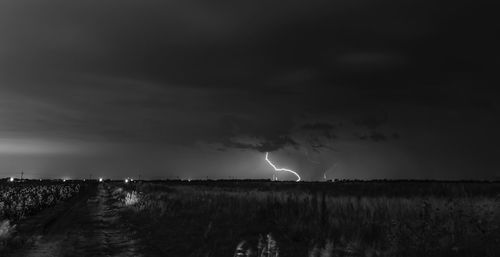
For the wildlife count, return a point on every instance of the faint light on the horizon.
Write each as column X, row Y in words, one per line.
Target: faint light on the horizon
column 11, row 179
column 35, row 146
column 100, row 179
column 126, row 180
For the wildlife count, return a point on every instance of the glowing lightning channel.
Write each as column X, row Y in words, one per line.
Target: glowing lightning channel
column 281, row 169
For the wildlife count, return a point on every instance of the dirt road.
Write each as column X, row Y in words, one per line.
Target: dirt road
column 88, row 227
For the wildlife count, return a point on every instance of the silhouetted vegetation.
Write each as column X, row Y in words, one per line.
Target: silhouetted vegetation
column 348, row 218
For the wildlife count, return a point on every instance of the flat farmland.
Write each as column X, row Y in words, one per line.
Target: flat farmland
column 264, row 218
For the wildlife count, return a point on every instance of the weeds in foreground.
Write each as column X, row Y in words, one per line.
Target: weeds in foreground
column 131, row 198
column 315, row 224
column 6, row 229
column 266, row 247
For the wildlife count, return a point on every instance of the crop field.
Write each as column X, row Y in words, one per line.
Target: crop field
column 259, row 218
column 18, row 200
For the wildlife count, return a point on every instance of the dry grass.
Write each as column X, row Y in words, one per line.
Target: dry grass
column 6, row 229
column 131, row 198
column 315, row 223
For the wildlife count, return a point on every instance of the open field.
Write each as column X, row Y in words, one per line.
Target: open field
column 263, row 218
column 317, row 219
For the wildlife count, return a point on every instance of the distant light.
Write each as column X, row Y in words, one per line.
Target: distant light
column 100, row 179
column 11, row 179
column 40, row 179
column 126, row 180
column 64, row 180
column 132, row 180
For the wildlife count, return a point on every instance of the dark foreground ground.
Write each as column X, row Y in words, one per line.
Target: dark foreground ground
column 262, row 218
column 85, row 226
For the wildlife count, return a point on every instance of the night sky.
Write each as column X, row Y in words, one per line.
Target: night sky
column 203, row 89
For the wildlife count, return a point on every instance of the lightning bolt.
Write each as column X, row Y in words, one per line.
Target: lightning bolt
column 281, row 169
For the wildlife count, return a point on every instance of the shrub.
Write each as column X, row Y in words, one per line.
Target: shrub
column 6, row 229
column 131, row 198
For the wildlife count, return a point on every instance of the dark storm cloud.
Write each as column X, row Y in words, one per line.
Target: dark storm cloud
column 318, row 126
column 332, row 45
column 374, row 136
column 272, row 133
column 244, row 75
column 221, row 45
column 372, row 122
column 266, row 144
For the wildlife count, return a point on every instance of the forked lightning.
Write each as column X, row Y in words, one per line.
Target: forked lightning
column 281, row 169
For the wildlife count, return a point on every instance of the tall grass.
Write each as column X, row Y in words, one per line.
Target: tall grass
column 6, row 229
column 131, row 198
column 215, row 220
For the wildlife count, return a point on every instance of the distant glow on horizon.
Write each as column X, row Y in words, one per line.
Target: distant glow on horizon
column 281, row 169
column 11, row 179
column 126, row 180
column 36, row 146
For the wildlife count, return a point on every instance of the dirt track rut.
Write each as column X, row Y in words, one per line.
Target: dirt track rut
column 88, row 228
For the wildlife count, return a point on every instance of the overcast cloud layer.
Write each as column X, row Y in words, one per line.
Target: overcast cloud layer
column 359, row 89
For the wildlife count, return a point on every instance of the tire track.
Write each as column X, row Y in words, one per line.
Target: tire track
column 89, row 228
